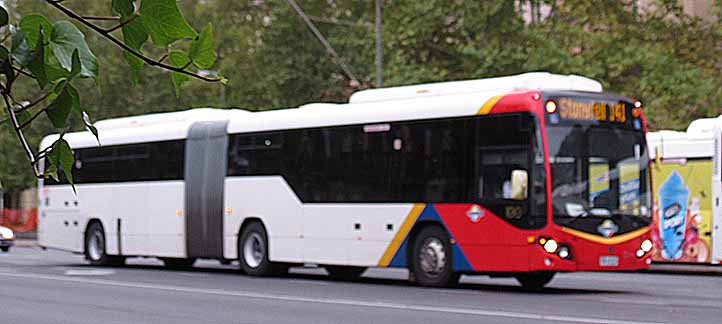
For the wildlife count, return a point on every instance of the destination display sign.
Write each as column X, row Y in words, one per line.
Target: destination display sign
column 601, row 111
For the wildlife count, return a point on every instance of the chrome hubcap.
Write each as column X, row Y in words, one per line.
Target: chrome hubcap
column 432, row 257
column 96, row 246
column 254, row 250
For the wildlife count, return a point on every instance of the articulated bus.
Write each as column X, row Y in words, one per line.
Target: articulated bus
column 521, row 176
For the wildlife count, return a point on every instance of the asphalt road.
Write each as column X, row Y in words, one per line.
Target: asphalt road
column 56, row 287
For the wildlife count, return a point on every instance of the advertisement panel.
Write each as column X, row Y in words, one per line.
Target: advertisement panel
column 683, row 210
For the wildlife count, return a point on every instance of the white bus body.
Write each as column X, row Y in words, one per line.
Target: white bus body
column 150, row 218
column 695, row 155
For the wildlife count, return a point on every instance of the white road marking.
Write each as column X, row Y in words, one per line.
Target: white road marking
column 84, row 272
column 328, row 301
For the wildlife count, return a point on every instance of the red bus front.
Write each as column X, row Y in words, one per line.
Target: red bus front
column 587, row 175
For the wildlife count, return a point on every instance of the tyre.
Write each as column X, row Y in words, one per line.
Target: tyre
column 5, row 249
column 345, row 273
column 95, row 247
column 534, row 281
column 253, row 252
column 432, row 258
column 178, row 263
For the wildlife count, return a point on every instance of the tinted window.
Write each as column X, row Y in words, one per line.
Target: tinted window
column 152, row 161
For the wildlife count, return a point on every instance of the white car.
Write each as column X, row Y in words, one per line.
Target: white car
column 7, row 239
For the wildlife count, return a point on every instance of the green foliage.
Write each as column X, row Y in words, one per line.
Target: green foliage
column 202, row 50
column 164, row 22
column 46, row 55
column 67, row 39
column 668, row 60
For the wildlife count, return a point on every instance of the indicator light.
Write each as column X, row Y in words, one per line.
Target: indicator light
column 636, row 112
column 551, row 106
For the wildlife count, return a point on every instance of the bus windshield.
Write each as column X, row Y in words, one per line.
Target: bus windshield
column 599, row 172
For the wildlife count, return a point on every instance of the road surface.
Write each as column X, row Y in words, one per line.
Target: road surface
column 39, row 286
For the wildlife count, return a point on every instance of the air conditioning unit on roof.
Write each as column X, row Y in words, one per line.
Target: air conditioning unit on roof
column 526, row 81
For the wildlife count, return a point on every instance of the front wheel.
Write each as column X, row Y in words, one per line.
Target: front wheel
column 5, row 249
column 432, row 258
column 535, row 281
column 95, row 247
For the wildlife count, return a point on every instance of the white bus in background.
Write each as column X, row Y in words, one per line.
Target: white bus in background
column 442, row 179
column 687, row 179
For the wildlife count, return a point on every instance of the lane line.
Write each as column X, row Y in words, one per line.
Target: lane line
column 327, row 301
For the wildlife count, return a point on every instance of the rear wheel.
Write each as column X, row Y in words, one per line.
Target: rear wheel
column 253, row 252
column 95, row 247
column 432, row 258
column 534, row 281
column 345, row 273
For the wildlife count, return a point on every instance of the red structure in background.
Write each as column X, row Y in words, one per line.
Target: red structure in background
column 20, row 220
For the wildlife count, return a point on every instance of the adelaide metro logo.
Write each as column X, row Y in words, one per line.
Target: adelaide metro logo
column 475, row 213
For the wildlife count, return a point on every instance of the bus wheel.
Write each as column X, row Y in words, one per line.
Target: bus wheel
column 431, row 262
column 344, row 273
column 5, row 249
column 253, row 251
column 178, row 263
column 534, row 281
column 95, row 247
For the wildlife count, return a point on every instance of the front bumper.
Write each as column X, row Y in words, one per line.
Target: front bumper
column 587, row 255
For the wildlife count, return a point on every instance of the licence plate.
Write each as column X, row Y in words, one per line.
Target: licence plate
column 608, row 261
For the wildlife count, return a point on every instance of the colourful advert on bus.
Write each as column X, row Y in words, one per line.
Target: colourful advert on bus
column 683, row 211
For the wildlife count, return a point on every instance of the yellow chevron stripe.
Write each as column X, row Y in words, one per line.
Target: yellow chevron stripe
column 401, row 235
column 607, row 240
column 486, row 108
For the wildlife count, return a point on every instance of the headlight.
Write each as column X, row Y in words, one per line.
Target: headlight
column 6, row 233
column 646, row 246
column 550, row 246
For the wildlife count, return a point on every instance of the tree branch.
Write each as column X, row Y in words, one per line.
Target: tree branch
column 36, row 115
column 127, row 21
column 19, row 133
column 106, row 34
column 21, row 71
column 106, row 18
column 34, row 103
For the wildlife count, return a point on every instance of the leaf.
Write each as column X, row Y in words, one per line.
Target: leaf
column 122, row 8
column 4, row 19
column 164, row 22
column 136, row 64
column 66, row 39
column 202, row 52
column 90, row 127
column 36, row 63
column 135, row 36
column 180, row 60
column 61, row 154
column 19, row 46
column 59, row 109
column 31, row 26
column 75, row 65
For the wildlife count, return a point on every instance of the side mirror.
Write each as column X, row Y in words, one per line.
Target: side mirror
column 519, row 184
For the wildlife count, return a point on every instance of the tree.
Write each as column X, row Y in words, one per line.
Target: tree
column 56, row 57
